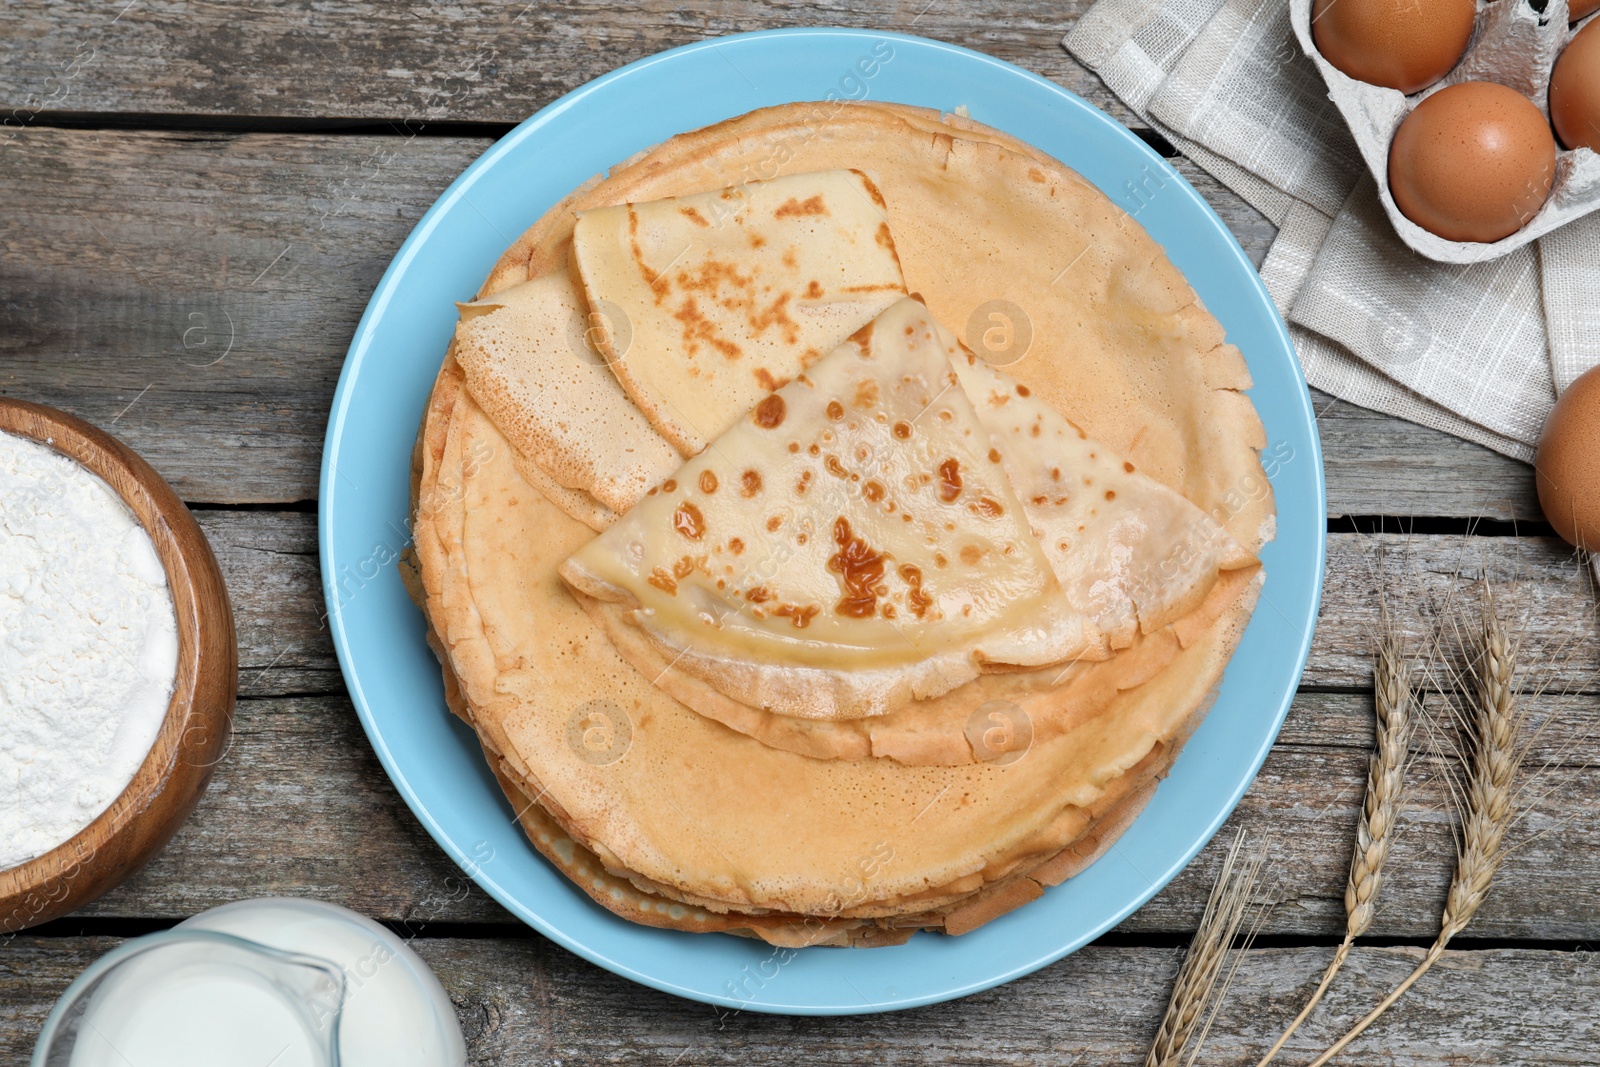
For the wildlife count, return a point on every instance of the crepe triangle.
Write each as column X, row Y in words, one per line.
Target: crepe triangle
column 1131, row 552
column 849, row 545
column 530, row 362
column 717, row 298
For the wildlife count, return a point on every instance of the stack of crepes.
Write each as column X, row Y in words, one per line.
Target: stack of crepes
column 779, row 610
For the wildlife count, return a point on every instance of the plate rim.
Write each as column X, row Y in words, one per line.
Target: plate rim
column 360, row 349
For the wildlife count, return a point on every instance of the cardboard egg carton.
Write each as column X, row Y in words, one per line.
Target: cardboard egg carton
column 1511, row 44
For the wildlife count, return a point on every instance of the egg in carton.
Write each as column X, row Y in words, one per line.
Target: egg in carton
column 1512, row 44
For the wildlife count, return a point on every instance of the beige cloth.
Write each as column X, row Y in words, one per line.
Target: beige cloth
column 1569, row 261
column 1478, row 352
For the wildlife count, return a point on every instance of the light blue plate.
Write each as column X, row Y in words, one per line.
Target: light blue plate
column 394, row 681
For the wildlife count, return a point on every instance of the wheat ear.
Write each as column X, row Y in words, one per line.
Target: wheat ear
column 1196, row 984
column 1392, row 696
column 1490, row 802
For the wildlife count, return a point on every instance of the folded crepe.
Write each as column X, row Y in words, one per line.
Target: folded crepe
column 850, row 544
column 720, row 297
column 530, row 358
column 1131, row 553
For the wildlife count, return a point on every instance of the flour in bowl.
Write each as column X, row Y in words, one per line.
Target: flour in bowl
column 88, row 648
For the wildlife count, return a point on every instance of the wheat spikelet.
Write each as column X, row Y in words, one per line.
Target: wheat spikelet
column 1386, row 772
column 1491, row 779
column 1386, row 768
column 1197, row 982
column 1495, row 730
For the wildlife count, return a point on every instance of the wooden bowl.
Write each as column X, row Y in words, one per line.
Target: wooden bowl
column 195, row 732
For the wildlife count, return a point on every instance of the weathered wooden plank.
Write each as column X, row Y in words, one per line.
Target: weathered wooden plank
column 1100, row 1006
column 270, row 563
column 1541, row 589
column 195, row 293
column 474, row 61
column 1560, row 730
column 301, row 807
column 1380, row 465
column 524, row 1001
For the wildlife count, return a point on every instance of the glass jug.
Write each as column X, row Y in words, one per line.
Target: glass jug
column 273, row 982
column 184, row 997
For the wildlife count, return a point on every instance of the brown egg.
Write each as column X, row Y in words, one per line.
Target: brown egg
column 1580, row 9
column 1472, row 162
column 1567, row 465
column 1406, row 46
column 1575, row 90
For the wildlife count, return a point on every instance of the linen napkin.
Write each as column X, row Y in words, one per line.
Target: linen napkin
column 1476, row 351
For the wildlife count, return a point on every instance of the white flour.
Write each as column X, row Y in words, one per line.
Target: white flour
column 88, row 648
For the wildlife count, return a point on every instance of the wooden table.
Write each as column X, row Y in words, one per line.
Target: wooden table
column 199, row 198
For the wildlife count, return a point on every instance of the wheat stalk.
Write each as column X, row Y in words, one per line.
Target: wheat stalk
column 1497, row 752
column 1386, row 769
column 1197, row 984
